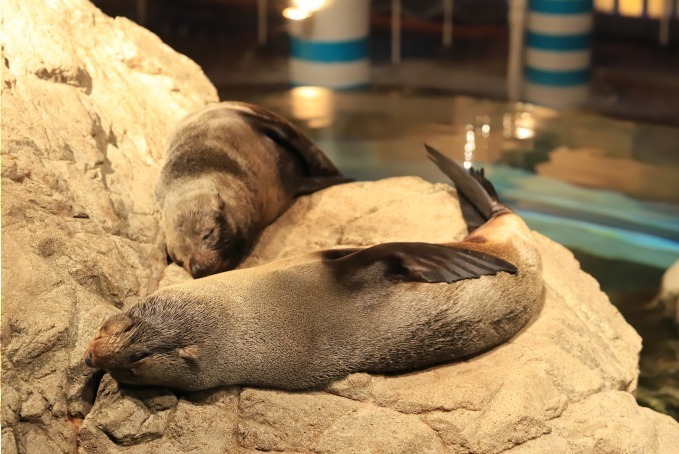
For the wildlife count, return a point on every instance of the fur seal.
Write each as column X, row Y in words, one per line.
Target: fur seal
column 230, row 169
column 301, row 322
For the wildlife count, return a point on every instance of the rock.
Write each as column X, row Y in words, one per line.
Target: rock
column 279, row 421
column 597, row 424
column 379, row 430
column 33, row 407
column 200, row 422
column 87, row 103
column 11, row 405
column 8, row 442
column 174, row 274
column 143, row 415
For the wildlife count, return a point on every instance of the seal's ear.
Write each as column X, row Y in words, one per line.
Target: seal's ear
column 416, row 262
column 189, row 353
column 116, row 324
column 217, row 201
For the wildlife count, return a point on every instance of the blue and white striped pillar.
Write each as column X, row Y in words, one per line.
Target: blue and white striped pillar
column 557, row 59
column 330, row 48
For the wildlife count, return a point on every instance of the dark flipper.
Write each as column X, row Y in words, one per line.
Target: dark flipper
column 478, row 198
column 416, row 262
column 310, row 185
column 287, row 136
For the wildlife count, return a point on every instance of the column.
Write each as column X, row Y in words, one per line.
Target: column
column 557, row 60
column 329, row 48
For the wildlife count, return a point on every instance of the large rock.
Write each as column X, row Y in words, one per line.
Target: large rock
column 86, row 104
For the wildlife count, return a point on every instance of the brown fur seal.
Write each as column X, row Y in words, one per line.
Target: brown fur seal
column 301, row 322
column 231, row 169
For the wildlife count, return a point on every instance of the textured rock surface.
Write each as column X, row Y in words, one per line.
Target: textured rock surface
column 86, row 104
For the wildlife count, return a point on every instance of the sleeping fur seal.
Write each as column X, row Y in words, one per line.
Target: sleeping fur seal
column 231, row 169
column 301, row 322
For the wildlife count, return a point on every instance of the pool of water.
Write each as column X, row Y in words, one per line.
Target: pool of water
column 607, row 189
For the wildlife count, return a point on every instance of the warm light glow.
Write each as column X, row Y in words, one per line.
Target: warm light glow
column 309, row 5
column 656, row 8
column 295, row 13
column 632, row 8
column 301, row 9
column 314, row 105
column 524, row 125
column 470, row 136
column 469, row 146
column 523, row 133
column 519, row 125
column 507, row 132
column 485, row 130
column 310, row 92
column 604, row 6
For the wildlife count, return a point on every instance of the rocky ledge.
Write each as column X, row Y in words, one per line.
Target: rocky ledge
column 87, row 102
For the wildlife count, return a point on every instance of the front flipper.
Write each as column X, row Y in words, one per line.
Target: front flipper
column 416, row 262
column 287, row 136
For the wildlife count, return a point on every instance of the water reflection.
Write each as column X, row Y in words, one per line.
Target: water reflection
column 313, row 105
column 591, row 167
column 518, row 124
column 580, row 179
column 469, row 146
column 477, row 141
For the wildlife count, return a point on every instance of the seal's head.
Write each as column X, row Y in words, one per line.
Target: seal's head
column 152, row 344
column 199, row 236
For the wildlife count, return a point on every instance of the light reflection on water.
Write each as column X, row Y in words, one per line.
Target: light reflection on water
column 605, row 188
column 580, row 179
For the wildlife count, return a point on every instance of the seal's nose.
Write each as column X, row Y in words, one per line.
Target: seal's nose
column 88, row 359
column 197, row 271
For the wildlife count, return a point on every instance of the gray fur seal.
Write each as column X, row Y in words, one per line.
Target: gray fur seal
column 231, row 169
column 304, row 321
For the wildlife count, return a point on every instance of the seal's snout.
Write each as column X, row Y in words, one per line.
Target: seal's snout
column 90, row 358
column 198, row 271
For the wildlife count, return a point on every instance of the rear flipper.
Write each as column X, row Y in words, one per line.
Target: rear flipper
column 478, row 198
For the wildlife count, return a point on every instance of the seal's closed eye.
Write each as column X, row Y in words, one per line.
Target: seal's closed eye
column 208, row 234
